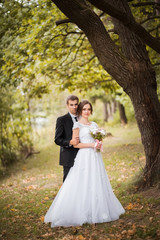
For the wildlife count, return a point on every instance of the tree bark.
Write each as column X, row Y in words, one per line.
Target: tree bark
column 147, row 113
column 110, row 113
column 109, row 110
column 114, row 106
column 128, row 21
column 122, row 114
column 106, row 115
column 131, row 68
column 143, row 94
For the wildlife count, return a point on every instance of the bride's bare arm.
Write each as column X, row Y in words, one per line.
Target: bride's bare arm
column 84, row 145
column 81, row 145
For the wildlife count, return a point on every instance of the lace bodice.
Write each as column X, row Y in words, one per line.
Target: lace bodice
column 84, row 131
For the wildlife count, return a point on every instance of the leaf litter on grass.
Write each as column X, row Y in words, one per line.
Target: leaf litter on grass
column 26, row 196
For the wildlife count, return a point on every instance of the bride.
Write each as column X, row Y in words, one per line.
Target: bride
column 86, row 195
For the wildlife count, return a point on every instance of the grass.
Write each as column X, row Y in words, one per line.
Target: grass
column 29, row 187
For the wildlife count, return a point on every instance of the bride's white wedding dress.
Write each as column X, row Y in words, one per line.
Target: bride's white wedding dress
column 86, row 195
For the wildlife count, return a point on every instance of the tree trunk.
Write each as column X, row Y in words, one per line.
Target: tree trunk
column 142, row 91
column 114, row 106
column 110, row 115
column 106, row 115
column 111, row 109
column 122, row 114
column 146, row 106
column 132, row 70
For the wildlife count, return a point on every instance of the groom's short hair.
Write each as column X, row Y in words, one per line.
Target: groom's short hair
column 72, row 98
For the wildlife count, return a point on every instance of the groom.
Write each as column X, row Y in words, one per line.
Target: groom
column 63, row 135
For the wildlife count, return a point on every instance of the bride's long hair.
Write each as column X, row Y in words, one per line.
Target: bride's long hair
column 81, row 105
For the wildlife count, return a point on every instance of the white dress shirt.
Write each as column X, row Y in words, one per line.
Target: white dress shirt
column 73, row 117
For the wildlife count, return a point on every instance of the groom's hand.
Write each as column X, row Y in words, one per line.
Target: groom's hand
column 74, row 141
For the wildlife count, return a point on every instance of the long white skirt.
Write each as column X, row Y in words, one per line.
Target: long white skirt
column 86, row 195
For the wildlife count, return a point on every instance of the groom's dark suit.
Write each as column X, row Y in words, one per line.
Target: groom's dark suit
column 63, row 135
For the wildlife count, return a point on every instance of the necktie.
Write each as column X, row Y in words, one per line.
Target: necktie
column 76, row 119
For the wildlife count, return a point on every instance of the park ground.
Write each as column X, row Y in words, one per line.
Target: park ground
column 28, row 188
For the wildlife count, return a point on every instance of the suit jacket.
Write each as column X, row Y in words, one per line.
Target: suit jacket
column 63, row 135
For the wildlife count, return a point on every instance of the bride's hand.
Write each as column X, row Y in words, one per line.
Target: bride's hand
column 98, row 144
column 93, row 145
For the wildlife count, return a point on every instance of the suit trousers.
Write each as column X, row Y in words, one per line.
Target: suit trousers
column 65, row 172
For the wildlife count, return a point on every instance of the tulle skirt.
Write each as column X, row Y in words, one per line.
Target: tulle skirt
column 86, row 195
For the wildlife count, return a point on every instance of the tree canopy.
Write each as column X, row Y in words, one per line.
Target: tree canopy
column 61, row 52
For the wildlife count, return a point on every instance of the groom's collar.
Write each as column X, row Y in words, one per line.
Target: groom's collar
column 73, row 116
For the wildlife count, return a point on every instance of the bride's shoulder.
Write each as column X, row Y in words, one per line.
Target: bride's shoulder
column 76, row 125
column 94, row 124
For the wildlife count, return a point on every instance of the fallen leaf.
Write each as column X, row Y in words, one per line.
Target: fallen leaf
column 151, row 219
column 46, row 235
column 46, row 198
column 80, row 237
column 130, row 206
column 42, row 218
column 131, row 231
column 124, row 232
column 13, row 210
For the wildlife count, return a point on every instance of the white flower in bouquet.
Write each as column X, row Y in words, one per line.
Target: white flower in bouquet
column 98, row 134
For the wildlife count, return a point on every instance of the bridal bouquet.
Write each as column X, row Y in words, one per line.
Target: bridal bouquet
column 98, row 134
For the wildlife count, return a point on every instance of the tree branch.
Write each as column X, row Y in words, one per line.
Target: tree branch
column 67, row 20
column 75, row 44
column 156, row 28
column 148, row 19
column 145, row 4
column 87, row 62
column 62, row 21
column 130, row 23
column 156, row 64
column 58, row 35
column 78, row 48
column 104, row 47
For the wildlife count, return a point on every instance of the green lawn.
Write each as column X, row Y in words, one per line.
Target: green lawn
column 28, row 188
